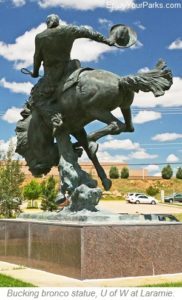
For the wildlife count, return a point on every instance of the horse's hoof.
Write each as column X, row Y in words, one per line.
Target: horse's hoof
column 60, row 198
column 107, row 183
column 129, row 129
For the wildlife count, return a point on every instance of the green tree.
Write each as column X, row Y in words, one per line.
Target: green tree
column 179, row 173
column 125, row 172
column 167, row 172
column 49, row 193
column 11, row 178
column 152, row 190
column 113, row 172
column 32, row 191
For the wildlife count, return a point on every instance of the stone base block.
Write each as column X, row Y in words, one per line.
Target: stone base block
column 93, row 251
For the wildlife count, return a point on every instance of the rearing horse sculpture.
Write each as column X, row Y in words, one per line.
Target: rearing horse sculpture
column 67, row 98
column 83, row 103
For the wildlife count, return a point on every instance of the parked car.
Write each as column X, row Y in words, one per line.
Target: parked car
column 173, row 198
column 128, row 196
column 131, row 195
column 143, row 199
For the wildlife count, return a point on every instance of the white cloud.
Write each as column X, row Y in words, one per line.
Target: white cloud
column 172, row 158
column 119, row 144
column 127, row 144
column 105, row 156
column 105, row 23
column 17, row 87
column 117, row 112
column 18, row 3
column 137, row 45
column 90, row 50
column 173, row 97
column 177, row 44
column 5, row 145
column 110, row 137
column 146, row 116
column 165, row 137
column 144, row 70
column 142, row 154
column 152, row 168
column 158, row 174
column 12, row 115
column 140, row 25
column 21, row 52
column 89, row 4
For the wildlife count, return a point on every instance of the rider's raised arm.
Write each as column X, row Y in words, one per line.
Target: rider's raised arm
column 83, row 32
column 37, row 58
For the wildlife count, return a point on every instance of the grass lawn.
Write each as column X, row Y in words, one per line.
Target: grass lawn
column 124, row 186
column 7, row 281
column 178, row 216
column 167, row 284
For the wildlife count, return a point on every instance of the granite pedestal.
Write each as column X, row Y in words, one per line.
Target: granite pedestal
column 93, row 251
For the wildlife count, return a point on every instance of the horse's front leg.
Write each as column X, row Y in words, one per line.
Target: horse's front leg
column 81, row 136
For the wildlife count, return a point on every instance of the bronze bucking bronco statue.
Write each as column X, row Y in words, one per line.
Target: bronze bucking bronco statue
column 69, row 97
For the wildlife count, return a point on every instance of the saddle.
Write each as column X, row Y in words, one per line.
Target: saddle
column 73, row 73
column 73, row 79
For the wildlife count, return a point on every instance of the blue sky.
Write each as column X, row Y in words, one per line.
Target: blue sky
column 158, row 136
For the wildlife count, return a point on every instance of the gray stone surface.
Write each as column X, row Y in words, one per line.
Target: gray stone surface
column 85, row 217
column 93, row 251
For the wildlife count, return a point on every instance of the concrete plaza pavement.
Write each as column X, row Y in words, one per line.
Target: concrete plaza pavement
column 46, row 279
column 124, row 207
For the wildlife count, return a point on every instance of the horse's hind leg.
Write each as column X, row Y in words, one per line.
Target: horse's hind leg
column 81, row 136
column 114, row 126
column 126, row 112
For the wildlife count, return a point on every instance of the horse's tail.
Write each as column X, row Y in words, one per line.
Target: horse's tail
column 157, row 80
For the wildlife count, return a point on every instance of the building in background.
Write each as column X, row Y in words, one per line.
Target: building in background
column 89, row 168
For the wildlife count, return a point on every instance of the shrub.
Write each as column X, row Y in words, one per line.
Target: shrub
column 152, row 190
column 11, row 178
column 167, row 172
column 124, row 173
column 49, row 193
column 179, row 173
column 114, row 173
column 32, row 191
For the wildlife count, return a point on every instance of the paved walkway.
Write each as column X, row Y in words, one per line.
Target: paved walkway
column 46, row 279
column 124, row 207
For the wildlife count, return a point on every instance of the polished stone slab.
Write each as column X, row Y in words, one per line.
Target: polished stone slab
column 91, row 251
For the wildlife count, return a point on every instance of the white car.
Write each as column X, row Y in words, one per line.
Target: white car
column 143, row 199
column 130, row 196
